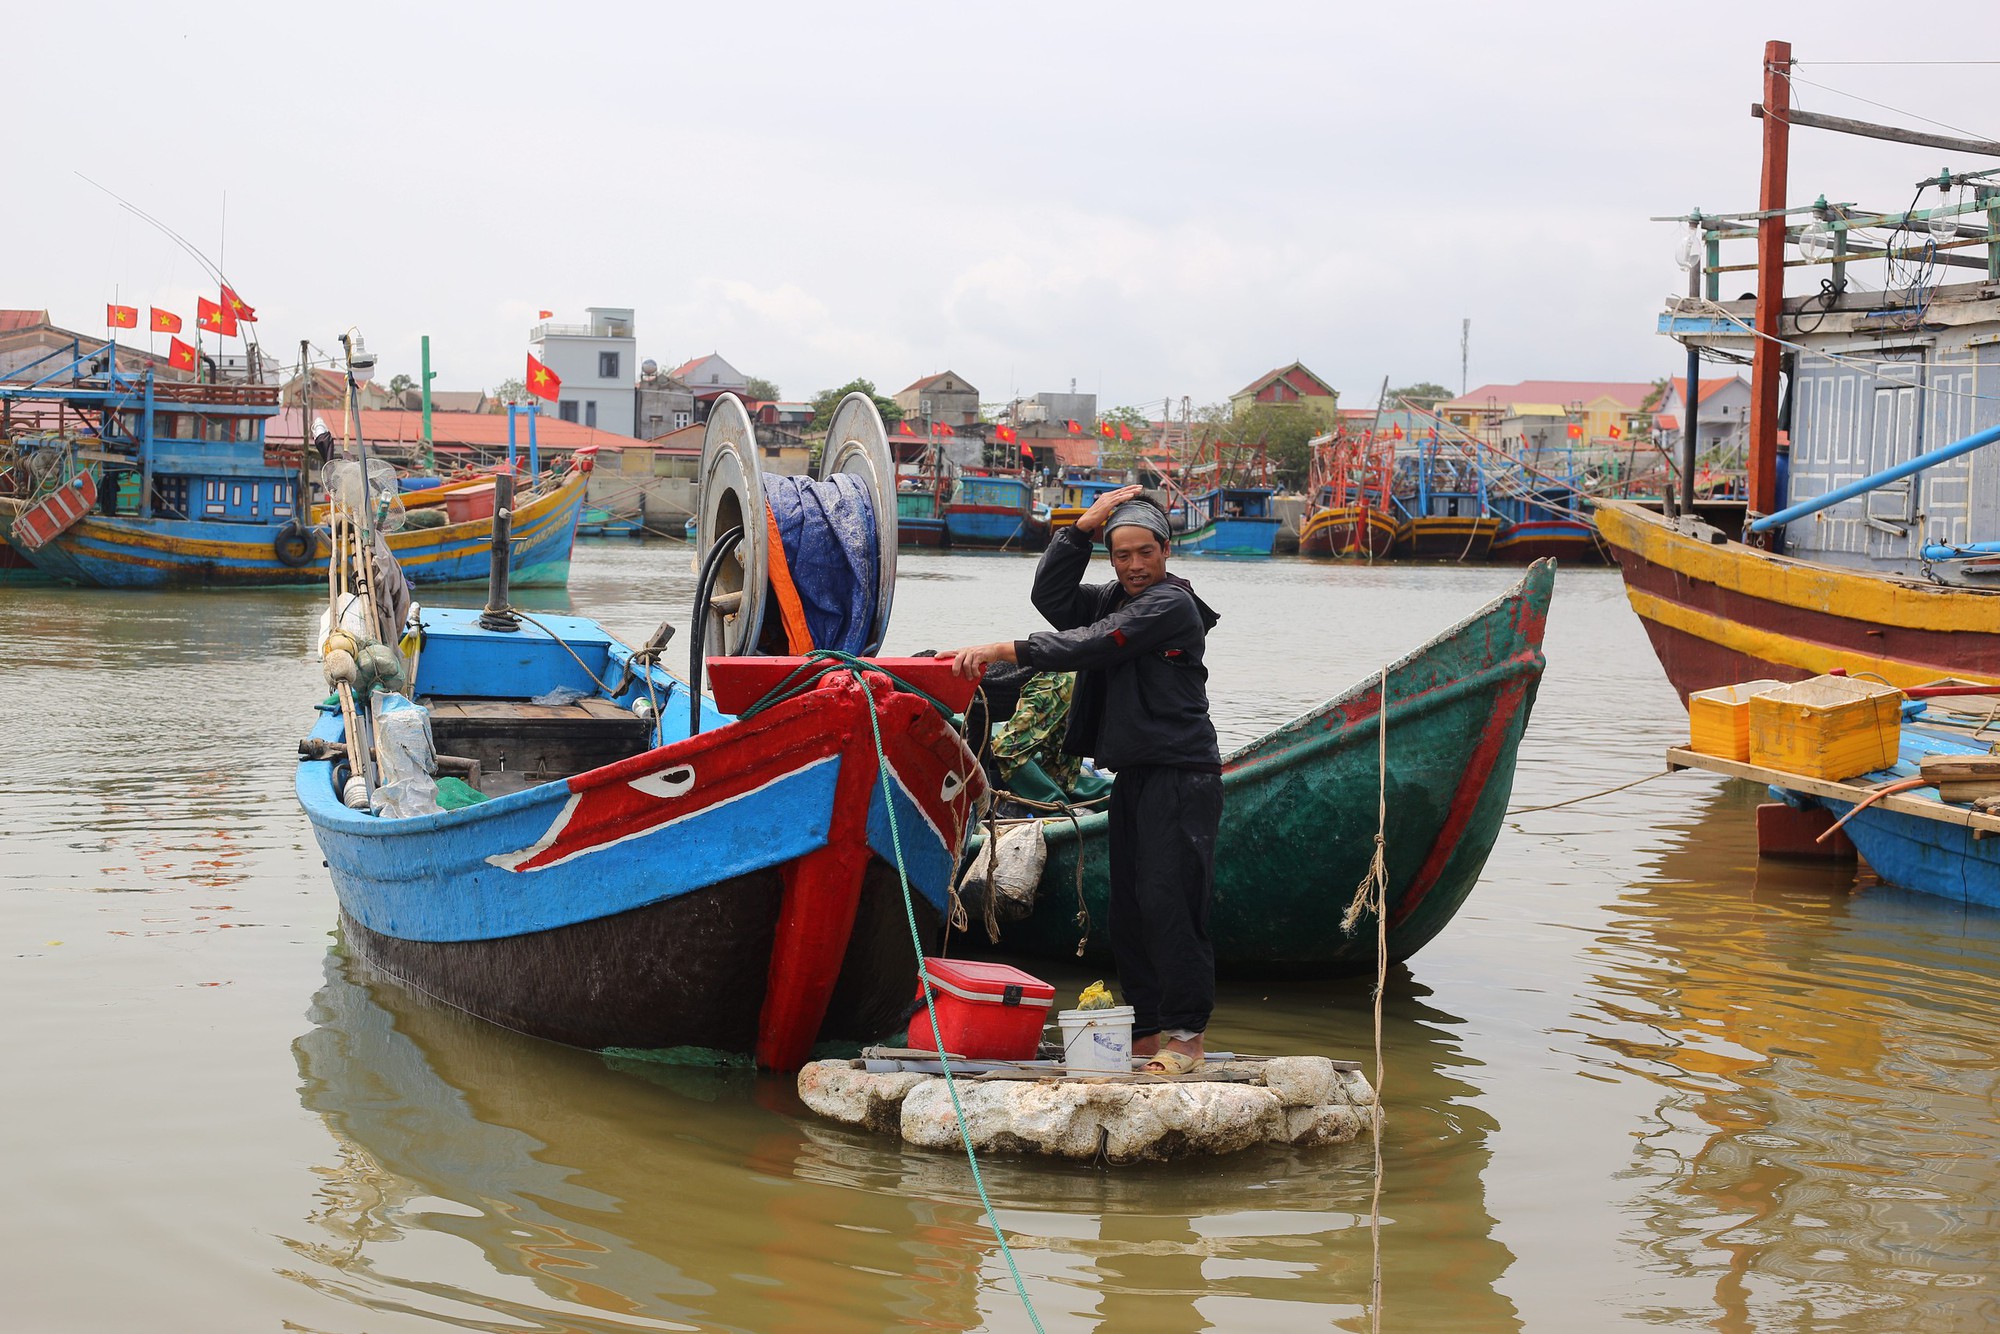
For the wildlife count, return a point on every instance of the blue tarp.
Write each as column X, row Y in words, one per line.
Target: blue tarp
column 828, row 529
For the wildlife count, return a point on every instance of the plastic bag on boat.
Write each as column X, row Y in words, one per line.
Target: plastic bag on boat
column 1017, row 860
column 406, row 759
column 562, row 695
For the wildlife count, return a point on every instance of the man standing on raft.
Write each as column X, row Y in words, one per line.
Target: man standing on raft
column 1141, row 710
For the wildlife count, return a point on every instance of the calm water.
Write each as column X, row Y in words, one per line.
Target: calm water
column 1641, row 1081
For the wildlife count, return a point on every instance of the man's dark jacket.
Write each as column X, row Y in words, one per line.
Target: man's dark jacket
column 1141, row 689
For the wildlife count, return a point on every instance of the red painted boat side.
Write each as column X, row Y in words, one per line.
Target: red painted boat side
column 1349, row 532
column 1572, row 544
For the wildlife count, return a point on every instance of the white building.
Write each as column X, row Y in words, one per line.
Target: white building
column 597, row 363
column 1724, row 415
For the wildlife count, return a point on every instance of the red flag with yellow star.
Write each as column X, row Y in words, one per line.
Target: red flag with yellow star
column 543, row 382
column 180, row 355
column 216, row 319
column 234, row 303
column 121, row 317
column 165, row 321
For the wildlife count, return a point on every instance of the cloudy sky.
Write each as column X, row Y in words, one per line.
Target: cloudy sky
column 1154, row 200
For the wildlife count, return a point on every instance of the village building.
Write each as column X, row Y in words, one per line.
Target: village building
column 945, row 397
column 664, row 403
column 1287, row 387
column 596, row 362
column 1056, row 409
column 1538, row 414
column 1723, row 423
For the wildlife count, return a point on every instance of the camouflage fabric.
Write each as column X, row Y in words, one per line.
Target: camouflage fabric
column 1035, row 732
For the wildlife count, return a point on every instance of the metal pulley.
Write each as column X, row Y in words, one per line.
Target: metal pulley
column 857, row 443
column 731, row 495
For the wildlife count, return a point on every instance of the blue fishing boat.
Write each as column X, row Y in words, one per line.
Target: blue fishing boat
column 126, row 481
column 996, row 512
column 1440, row 493
column 1241, row 524
column 632, row 865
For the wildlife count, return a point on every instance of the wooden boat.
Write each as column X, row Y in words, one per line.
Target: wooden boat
column 652, row 869
column 918, row 523
column 996, row 513
column 1365, row 531
column 1078, row 495
column 1722, row 612
column 1299, row 812
column 1447, row 537
column 632, row 884
column 184, row 489
column 1835, row 572
column 1571, row 541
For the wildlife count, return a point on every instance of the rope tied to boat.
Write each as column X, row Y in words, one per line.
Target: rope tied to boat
column 1372, row 895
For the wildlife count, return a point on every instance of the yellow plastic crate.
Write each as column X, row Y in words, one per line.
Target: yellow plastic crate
column 1719, row 719
column 1831, row 727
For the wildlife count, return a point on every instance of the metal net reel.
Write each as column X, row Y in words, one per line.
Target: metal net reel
column 731, row 496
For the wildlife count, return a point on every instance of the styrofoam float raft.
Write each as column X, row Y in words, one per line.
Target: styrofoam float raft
column 1230, row 1105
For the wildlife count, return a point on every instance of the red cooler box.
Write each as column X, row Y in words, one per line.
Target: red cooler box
column 985, row 1011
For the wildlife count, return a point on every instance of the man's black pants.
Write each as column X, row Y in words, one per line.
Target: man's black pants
column 1163, row 826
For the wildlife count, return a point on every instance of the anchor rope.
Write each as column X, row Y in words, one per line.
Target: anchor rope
column 1372, row 894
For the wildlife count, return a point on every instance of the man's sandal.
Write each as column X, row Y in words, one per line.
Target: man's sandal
column 1169, row 1062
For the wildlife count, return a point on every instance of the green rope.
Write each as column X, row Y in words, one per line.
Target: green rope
column 838, row 661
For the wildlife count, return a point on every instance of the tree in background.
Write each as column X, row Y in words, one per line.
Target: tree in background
column 514, row 390
column 1285, row 432
column 1127, row 416
column 1423, row 393
column 398, row 384
column 826, row 400
column 760, row 389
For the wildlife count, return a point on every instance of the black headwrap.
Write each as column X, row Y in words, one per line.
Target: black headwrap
column 1139, row 512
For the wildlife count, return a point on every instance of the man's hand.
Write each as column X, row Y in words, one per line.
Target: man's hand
column 1100, row 509
column 970, row 662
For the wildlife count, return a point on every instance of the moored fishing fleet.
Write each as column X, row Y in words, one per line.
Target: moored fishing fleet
column 756, row 855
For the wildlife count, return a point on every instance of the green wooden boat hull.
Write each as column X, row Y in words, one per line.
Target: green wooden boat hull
column 1300, row 805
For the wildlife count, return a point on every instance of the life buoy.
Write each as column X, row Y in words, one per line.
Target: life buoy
column 295, row 546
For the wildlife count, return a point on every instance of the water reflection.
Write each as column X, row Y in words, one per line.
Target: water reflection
column 1822, row 1146
column 486, row 1179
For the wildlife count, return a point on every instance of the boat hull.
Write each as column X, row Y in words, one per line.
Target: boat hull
column 1447, row 537
column 726, row 890
column 1300, row 809
column 1720, row 613
column 1350, row 531
column 920, row 532
column 1232, row 537
column 126, row 552
column 1571, row 541
column 994, row 527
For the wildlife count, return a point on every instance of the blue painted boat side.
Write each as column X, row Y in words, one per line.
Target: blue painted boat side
column 1233, row 536
column 927, row 860
column 388, row 872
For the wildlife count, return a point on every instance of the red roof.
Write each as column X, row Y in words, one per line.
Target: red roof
column 1629, row 393
column 930, row 380
column 1285, row 373
column 486, row 429
column 12, row 320
column 1709, row 387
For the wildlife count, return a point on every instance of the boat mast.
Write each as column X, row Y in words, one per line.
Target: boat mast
column 1765, row 357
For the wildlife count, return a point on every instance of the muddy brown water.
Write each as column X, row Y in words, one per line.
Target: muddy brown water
column 1642, row 1080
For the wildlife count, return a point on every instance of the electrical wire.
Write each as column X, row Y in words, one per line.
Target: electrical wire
column 1842, row 92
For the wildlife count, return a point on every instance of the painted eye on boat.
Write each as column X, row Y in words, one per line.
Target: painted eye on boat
column 674, row 782
column 953, row 785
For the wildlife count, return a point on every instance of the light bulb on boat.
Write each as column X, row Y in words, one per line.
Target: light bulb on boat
column 1943, row 228
column 1688, row 254
column 1816, row 241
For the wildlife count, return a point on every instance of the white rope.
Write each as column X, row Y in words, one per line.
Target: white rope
column 1372, row 894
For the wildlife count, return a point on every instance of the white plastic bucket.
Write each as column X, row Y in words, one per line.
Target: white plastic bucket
column 1097, row 1039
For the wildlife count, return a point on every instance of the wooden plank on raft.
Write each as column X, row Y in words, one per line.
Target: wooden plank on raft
column 1904, row 803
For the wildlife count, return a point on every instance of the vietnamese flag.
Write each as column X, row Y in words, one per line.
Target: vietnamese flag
column 547, row 315
column 121, row 317
column 1397, row 431
column 1616, row 433
column 1005, row 435
column 543, row 382
column 1074, row 429
column 214, row 318
column 180, row 356
column 944, row 428
column 237, row 310
column 1027, row 451
column 165, row 321
column 1104, row 429
column 1575, row 431
column 1125, row 432
column 903, row 428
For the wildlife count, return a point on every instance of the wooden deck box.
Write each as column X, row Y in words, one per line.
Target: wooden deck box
column 1719, row 719
column 1830, row 727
